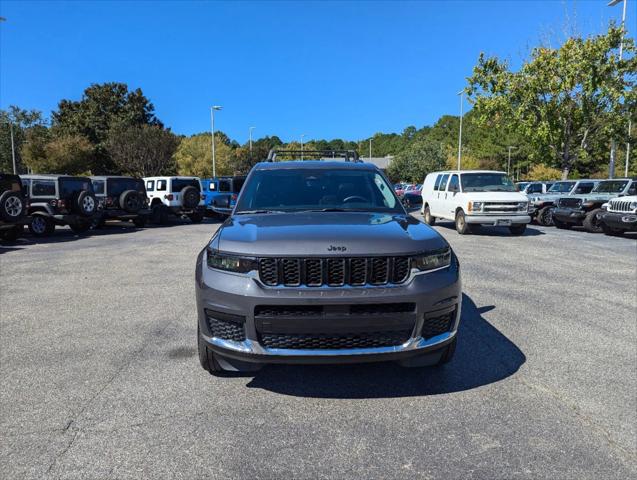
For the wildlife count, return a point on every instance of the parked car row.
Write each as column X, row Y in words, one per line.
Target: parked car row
column 43, row 201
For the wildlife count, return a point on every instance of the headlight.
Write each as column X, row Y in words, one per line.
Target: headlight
column 633, row 205
column 230, row 263
column 432, row 260
column 475, row 206
column 523, row 206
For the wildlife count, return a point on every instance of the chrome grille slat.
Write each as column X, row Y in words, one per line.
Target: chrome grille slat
column 333, row 271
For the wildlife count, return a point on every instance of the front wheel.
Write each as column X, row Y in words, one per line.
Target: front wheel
column 207, row 357
column 12, row 234
column 41, row 226
column 517, row 229
column 139, row 222
column 591, row 223
column 429, row 219
column 196, row 217
column 545, row 217
column 613, row 232
column 461, row 225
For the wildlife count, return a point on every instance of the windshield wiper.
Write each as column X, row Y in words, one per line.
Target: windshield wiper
column 251, row 212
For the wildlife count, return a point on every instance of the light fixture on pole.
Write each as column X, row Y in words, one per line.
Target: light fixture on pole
column 302, row 135
column 461, row 93
column 251, row 128
column 212, row 141
column 611, row 164
column 509, row 163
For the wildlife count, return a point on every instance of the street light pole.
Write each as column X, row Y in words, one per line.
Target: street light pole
column 627, row 150
column 15, row 169
column 370, row 148
column 612, row 3
column 251, row 128
column 461, row 93
column 302, row 135
column 212, row 131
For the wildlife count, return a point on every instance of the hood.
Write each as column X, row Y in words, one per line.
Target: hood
column 497, row 197
column 588, row 197
column 325, row 233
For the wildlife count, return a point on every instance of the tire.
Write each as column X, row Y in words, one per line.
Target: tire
column 190, row 197
column 429, row 219
column 196, row 217
column 85, row 204
column 591, row 223
column 130, row 201
column 11, row 206
column 139, row 222
column 80, row 227
column 518, row 229
column 41, row 226
column 461, row 225
column 12, row 234
column 207, row 357
column 561, row 225
column 612, row 232
column 545, row 217
column 158, row 214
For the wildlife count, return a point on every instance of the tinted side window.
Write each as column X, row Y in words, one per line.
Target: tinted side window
column 116, row 186
column 437, row 183
column 454, row 184
column 584, row 187
column 632, row 190
column 98, row 187
column 535, row 188
column 70, row 186
column 225, row 186
column 25, row 187
column 43, row 188
column 161, row 185
column 150, row 186
column 443, row 182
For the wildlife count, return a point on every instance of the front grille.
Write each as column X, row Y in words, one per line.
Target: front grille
column 570, row 202
column 435, row 325
column 318, row 310
column 500, row 207
column 226, row 326
column 620, row 206
column 334, row 342
column 334, row 272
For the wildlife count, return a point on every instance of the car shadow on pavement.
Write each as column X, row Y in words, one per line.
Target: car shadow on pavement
column 483, row 356
column 488, row 231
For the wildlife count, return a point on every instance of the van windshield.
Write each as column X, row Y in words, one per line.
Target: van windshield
column 486, row 182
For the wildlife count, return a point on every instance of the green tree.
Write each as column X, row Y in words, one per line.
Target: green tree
column 103, row 107
column 21, row 121
column 68, row 154
column 417, row 160
column 142, row 150
column 194, row 155
column 563, row 102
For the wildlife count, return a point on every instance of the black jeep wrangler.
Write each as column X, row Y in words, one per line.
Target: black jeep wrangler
column 121, row 198
column 13, row 207
column 60, row 200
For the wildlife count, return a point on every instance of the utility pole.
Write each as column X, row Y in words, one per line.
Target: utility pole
column 461, row 93
column 15, row 169
column 613, row 144
column 251, row 128
column 212, row 131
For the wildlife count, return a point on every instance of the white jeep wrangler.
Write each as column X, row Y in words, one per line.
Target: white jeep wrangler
column 180, row 196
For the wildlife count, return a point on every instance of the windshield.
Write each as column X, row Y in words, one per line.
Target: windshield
column 561, row 187
column 486, row 182
column 616, row 186
column 317, row 189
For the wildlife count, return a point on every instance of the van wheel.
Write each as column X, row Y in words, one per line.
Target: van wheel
column 591, row 222
column 517, row 229
column 429, row 219
column 207, row 357
column 41, row 226
column 461, row 225
column 545, row 217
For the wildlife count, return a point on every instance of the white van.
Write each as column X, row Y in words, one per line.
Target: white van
column 473, row 198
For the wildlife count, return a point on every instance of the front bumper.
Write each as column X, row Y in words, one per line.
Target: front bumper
column 498, row 220
column 623, row 221
column 569, row 215
column 433, row 293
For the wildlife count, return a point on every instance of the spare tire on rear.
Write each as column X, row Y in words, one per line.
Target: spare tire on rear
column 11, row 206
column 85, row 203
column 189, row 197
column 131, row 201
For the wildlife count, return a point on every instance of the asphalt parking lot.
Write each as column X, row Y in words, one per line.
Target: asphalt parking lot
column 100, row 377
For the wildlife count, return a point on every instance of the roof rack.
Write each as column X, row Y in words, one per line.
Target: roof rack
column 348, row 155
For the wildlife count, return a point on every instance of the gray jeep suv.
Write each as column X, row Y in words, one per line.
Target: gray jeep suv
column 320, row 263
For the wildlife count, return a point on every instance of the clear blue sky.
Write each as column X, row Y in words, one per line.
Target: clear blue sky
column 328, row 69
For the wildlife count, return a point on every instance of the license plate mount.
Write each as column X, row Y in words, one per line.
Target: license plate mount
column 503, row 223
